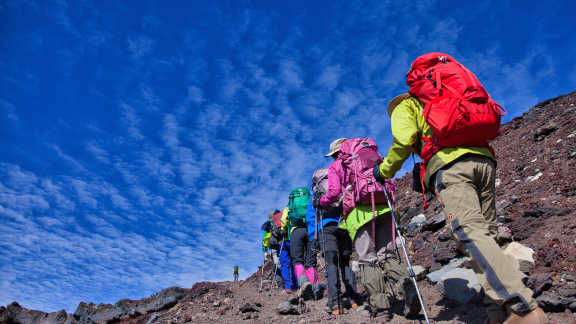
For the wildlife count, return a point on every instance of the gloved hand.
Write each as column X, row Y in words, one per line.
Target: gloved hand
column 377, row 174
column 266, row 256
column 316, row 202
column 315, row 246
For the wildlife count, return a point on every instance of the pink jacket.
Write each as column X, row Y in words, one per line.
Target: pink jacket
column 335, row 179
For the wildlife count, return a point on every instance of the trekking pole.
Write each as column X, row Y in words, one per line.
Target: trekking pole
column 274, row 274
column 262, row 275
column 324, row 256
column 318, row 258
column 411, row 272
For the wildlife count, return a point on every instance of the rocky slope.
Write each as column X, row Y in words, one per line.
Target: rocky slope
column 536, row 184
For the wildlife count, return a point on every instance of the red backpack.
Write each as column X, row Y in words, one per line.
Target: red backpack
column 458, row 108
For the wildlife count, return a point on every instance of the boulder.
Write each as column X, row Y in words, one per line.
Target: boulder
column 166, row 298
column 92, row 313
column 460, row 285
column 123, row 308
column 59, row 317
column 520, row 256
column 415, row 223
column 434, row 223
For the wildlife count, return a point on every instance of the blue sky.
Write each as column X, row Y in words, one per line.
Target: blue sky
column 143, row 142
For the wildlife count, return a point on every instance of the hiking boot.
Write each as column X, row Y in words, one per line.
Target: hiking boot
column 317, row 291
column 412, row 303
column 305, row 286
column 335, row 310
column 535, row 316
column 354, row 303
column 381, row 316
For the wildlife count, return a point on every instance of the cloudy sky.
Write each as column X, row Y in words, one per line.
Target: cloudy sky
column 143, row 142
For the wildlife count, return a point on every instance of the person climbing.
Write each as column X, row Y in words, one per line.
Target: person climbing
column 290, row 282
column 460, row 170
column 236, row 273
column 294, row 225
column 375, row 251
column 335, row 245
column 276, row 237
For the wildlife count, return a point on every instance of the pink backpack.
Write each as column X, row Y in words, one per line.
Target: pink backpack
column 358, row 156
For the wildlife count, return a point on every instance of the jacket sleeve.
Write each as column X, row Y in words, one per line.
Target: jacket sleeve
column 311, row 216
column 285, row 220
column 405, row 132
column 264, row 248
column 334, row 186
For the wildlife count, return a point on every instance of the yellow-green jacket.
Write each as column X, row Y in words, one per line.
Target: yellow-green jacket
column 285, row 221
column 360, row 216
column 408, row 126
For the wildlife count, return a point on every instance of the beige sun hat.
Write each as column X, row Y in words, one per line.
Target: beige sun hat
column 335, row 146
column 270, row 214
column 395, row 102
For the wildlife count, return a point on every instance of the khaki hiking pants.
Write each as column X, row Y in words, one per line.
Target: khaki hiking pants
column 466, row 191
column 374, row 262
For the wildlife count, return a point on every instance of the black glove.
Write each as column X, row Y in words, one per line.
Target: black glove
column 377, row 174
column 315, row 246
column 316, row 202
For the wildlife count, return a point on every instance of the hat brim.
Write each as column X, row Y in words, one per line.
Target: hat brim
column 395, row 102
column 332, row 153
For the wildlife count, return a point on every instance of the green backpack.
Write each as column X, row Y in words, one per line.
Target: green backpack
column 297, row 205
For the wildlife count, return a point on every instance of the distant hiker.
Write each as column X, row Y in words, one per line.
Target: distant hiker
column 304, row 259
column 447, row 120
column 335, row 244
column 372, row 241
column 290, row 282
column 236, row 273
column 275, row 237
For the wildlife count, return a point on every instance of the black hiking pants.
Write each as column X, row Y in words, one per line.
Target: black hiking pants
column 301, row 248
column 338, row 246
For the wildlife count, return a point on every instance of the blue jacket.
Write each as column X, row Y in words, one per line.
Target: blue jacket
column 311, row 218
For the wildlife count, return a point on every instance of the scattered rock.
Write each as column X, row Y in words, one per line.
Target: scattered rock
column 434, row 276
column 246, row 316
column 355, row 266
column 520, row 256
column 552, row 302
column 539, row 283
column 459, row 284
column 415, row 223
column 434, row 223
column 504, row 234
column 154, row 318
column 216, row 303
column 249, row 307
column 227, row 301
column 445, row 251
column 419, row 272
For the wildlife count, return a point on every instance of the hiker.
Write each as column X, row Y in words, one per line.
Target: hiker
column 290, row 282
column 304, row 259
column 272, row 237
column 375, row 251
column 460, row 172
column 276, row 237
column 236, row 273
column 336, row 246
